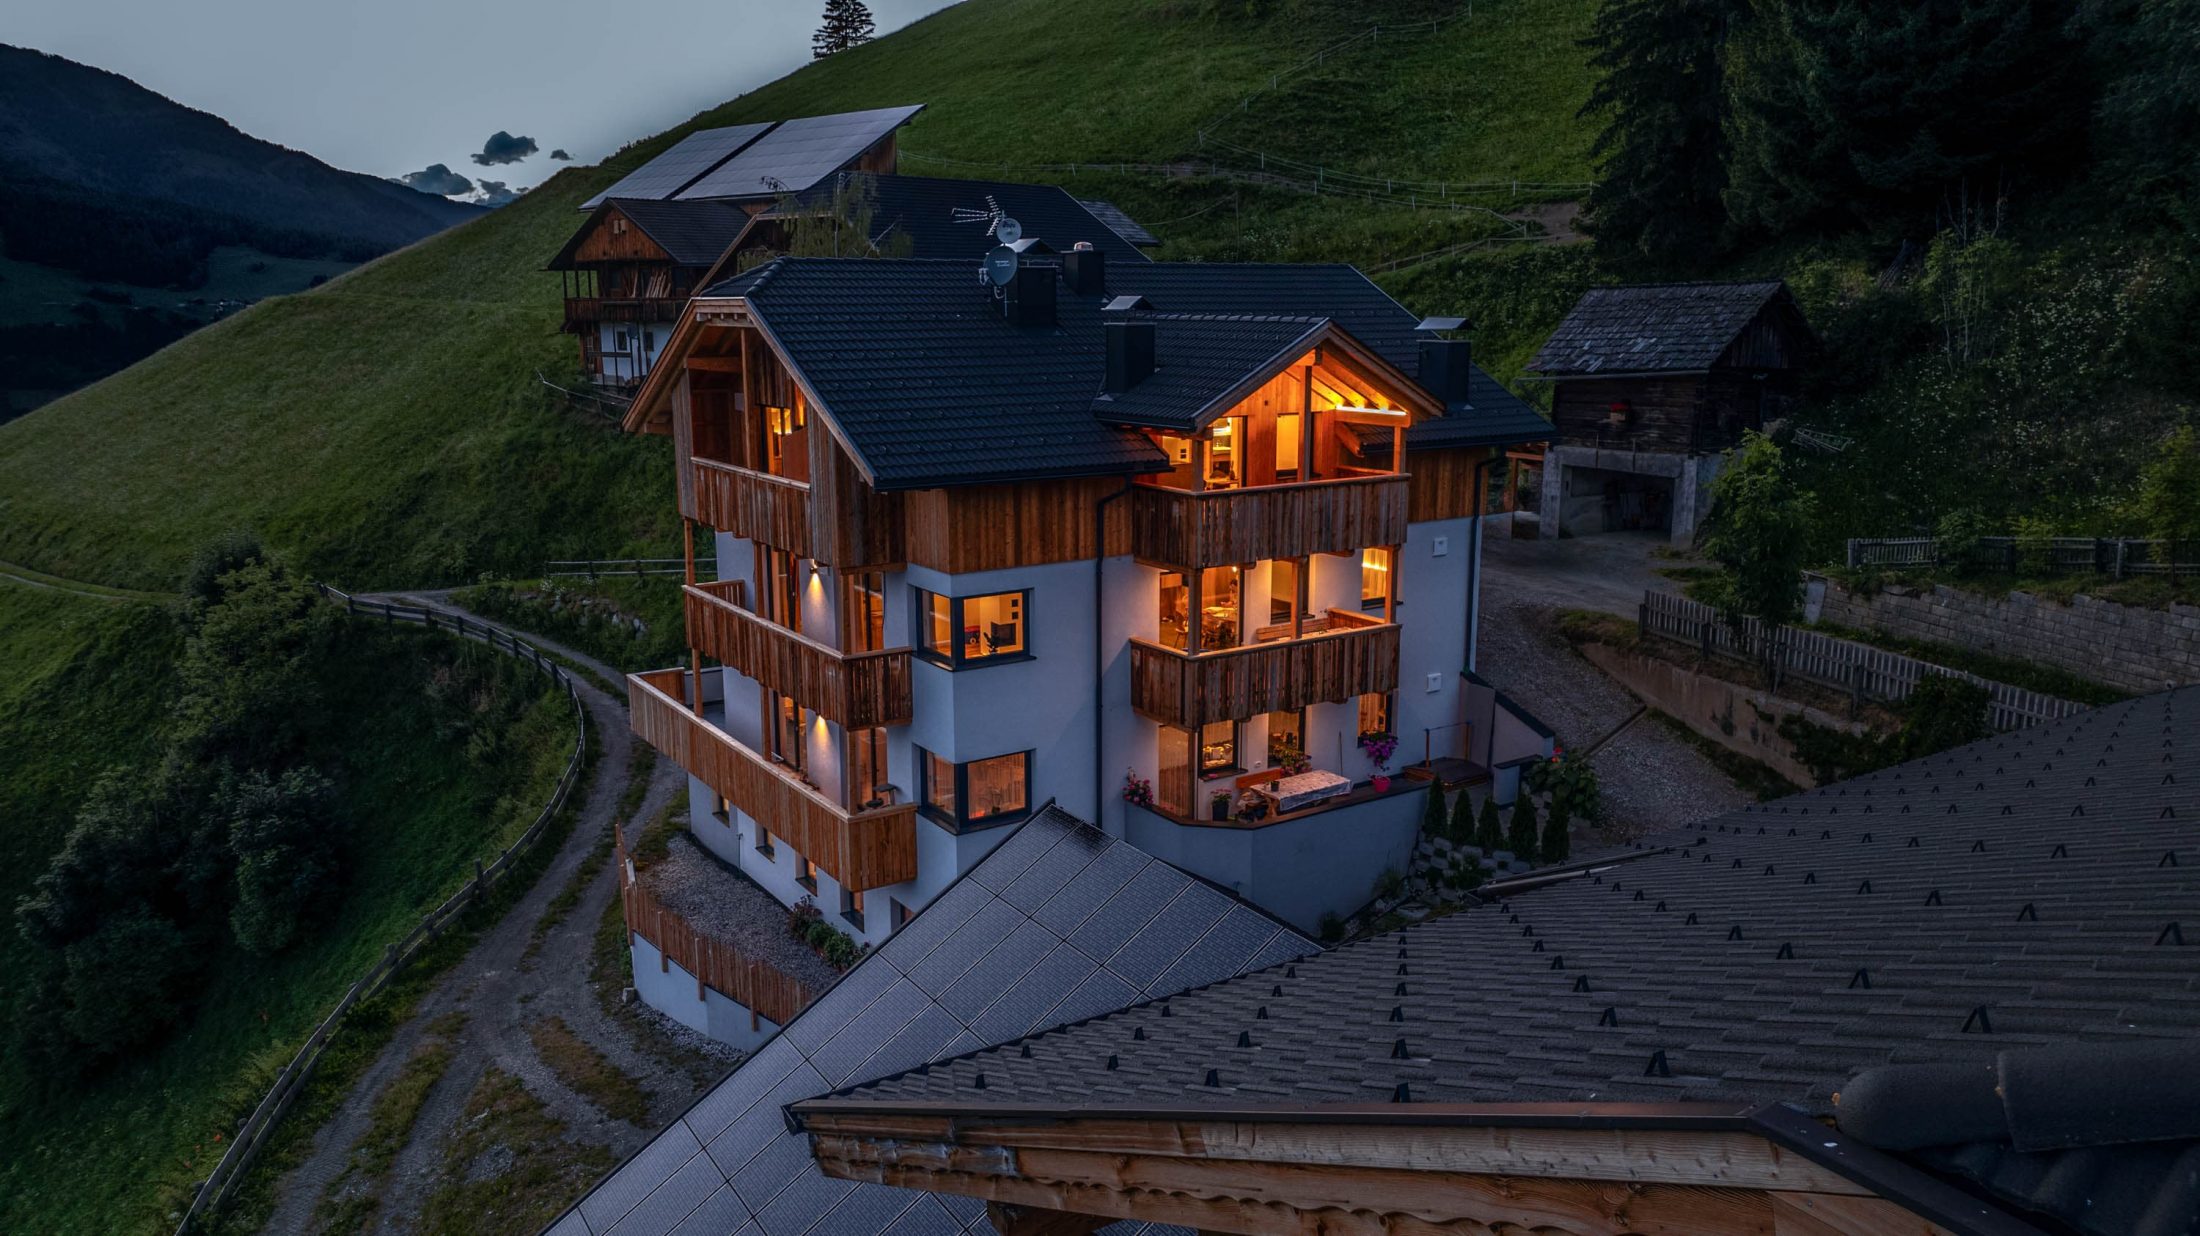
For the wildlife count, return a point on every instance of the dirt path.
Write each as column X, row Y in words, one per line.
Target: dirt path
column 506, row 984
column 25, row 577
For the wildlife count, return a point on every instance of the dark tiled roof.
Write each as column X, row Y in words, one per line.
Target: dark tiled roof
column 1058, row 923
column 694, row 233
column 1125, row 226
column 1199, row 359
column 932, row 387
column 1654, row 328
column 2034, row 889
column 922, row 209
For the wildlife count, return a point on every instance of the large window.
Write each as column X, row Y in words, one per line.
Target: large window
column 980, row 793
column 1374, row 577
column 786, row 442
column 866, row 611
column 1218, row 748
column 963, row 631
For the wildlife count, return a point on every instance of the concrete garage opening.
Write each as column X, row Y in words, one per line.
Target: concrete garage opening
column 1603, row 500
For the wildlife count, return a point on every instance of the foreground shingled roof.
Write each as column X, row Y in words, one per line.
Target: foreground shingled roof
column 2034, row 889
column 933, row 387
column 1060, row 922
column 1652, row 328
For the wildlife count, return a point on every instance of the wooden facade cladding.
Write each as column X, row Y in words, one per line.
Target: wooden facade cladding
column 749, row 981
column 1695, row 414
column 989, row 527
column 857, row 689
column 1356, row 655
column 1217, row 527
column 859, row 849
column 756, row 505
column 1443, row 483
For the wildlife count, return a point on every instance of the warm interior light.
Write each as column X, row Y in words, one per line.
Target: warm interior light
column 1364, row 415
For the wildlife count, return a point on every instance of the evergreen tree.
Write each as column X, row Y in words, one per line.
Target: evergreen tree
column 1557, row 841
column 1866, row 112
column 1661, row 97
column 2148, row 130
column 1521, row 840
column 847, row 23
column 1432, row 814
column 1462, row 819
column 1489, row 834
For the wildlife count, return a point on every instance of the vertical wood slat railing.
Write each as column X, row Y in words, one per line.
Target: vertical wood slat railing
column 2115, row 557
column 252, row 1136
column 859, row 849
column 1861, row 670
column 1353, row 655
column 752, row 504
column 748, row 981
column 1218, row 527
column 857, row 689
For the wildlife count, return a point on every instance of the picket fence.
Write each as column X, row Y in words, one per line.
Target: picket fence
column 2115, row 557
column 221, row 1185
column 1865, row 672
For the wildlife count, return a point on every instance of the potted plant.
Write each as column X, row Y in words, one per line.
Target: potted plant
column 1218, row 806
column 1137, row 790
column 1287, row 757
column 1380, row 782
column 1379, row 746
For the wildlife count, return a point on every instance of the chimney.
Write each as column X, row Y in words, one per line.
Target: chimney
column 1029, row 298
column 1085, row 270
column 1447, row 363
column 1130, row 354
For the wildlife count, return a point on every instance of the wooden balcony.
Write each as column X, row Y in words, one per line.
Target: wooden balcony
column 856, row 689
column 584, row 312
column 1352, row 656
column 860, row 849
column 1217, row 527
column 752, row 504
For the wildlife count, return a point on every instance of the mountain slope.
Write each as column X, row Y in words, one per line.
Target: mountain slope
column 91, row 135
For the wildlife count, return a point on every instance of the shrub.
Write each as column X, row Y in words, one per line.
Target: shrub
column 800, row 916
column 1432, row 813
column 840, row 951
column 1557, row 841
column 1489, row 833
column 2168, row 505
column 286, row 851
column 1571, row 781
column 1521, row 839
column 1389, row 884
column 1959, row 536
column 229, row 552
column 1461, row 829
column 128, row 981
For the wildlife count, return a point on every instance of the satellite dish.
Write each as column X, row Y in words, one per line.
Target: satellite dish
column 1007, row 230
column 1000, row 266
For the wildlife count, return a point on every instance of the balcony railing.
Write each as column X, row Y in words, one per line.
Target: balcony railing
column 1217, row 527
column 582, row 312
column 857, row 689
column 1352, row 655
column 753, row 504
column 860, row 849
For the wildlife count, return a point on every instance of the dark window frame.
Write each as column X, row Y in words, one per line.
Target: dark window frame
column 851, row 907
column 920, row 604
column 803, row 867
column 1237, row 752
column 763, row 843
column 960, row 821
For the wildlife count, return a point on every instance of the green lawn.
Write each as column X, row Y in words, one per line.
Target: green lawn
column 117, row 1153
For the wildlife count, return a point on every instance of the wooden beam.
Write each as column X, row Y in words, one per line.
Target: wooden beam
column 1821, row 1214
column 714, row 364
column 1010, row 1219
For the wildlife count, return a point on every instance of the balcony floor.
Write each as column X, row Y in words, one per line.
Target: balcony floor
column 1361, row 792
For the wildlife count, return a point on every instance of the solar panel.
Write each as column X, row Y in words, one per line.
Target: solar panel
column 799, row 154
column 688, row 158
column 974, row 968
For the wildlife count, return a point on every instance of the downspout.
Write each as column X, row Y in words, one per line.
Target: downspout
column 1099, row 647
column 1474, row 564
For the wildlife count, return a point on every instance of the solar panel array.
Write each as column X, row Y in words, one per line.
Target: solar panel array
column 1059, row 923
column 799, row 153
column 688, row 158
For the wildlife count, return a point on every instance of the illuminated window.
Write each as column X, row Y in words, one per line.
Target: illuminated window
column 1375, row 713
column 808, row 873
column 1218, row 745
column 1374, row 577
column 982, row 792
column 866, row 611
column 851, row 906
column 764, row 843
column 786, row 442
column 965, row 631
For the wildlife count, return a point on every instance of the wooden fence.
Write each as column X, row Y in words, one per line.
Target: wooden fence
column 1865, row 672
column 755, row 984
column 2115, row 557
column 219, row 1187
column 638, row 568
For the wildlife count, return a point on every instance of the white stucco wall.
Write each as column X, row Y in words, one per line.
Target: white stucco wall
column 671, row 990
column 1298, row 870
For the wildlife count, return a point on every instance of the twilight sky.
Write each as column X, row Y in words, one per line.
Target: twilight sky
column 391, row 87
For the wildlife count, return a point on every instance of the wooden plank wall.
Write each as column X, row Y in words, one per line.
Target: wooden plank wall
column 755, row 505
column 1343, row 663
column 857, row 690
column 606, row 245
column 748, row 981
column 988, row 527
column 1218, row 527
column 861, row 850
column 1443, row 483
column 852, row 525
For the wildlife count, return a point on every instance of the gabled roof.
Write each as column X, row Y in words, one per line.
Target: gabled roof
column 1206, row 363
column 914, row 365
column 1113, row 215
column 1059, row 922
column 922, row 208
column 1653, row 328
column 2030, row 890
column 691, row 233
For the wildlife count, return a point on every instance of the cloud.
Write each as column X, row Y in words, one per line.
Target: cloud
column 502, row 147
column 437, row 179
column 560, row 155
column 496, row 193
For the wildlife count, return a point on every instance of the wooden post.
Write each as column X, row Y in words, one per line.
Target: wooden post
column 687, row 530
column 1193, row 581
column 1308, row 427
column 1390, row 582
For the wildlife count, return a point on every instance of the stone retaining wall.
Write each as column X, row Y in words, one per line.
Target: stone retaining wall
column 1736, row 717
column 2121, row 646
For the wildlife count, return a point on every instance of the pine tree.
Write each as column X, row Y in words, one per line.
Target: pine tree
column 1432, row 815
column 1557, row 840
column 1521, row 838
column 1661, row 155
column 1489, row 835
column 1849, row 113
column 1462, row 819
column 847, row 23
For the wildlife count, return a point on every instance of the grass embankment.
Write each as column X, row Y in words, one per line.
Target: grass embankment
column 119, row 1151
column 594, row 617
column 511, row 1168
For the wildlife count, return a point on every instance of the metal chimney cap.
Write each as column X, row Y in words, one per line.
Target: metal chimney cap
column 1082, row 246
column 1441, row 324
column 1126, row 304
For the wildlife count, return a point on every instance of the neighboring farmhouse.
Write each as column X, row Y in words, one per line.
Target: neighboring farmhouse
column 1651, row 384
